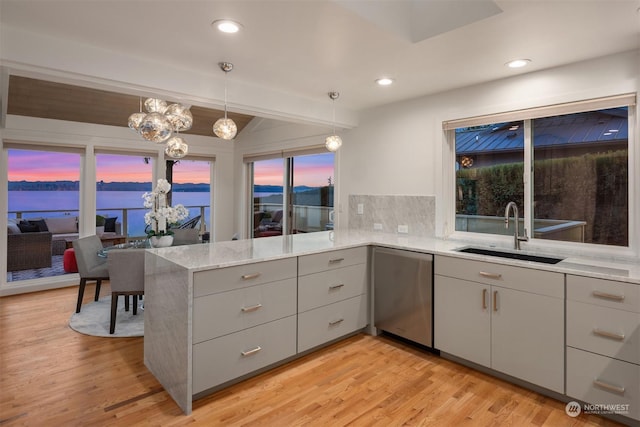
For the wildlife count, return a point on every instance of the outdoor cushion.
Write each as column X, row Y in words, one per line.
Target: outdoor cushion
column 66, row 224
column 12, row 227
column 110, row 225
column 26, row 227
column 40, row 223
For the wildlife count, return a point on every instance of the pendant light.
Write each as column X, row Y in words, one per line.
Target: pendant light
column 225, row 128
column 333, row 142
column 160, row 122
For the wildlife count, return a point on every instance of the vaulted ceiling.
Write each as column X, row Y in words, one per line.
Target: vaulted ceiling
column 50, row 100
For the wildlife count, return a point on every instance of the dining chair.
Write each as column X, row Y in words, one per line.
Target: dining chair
column 126, row 272
column 186, row 236
column 90, row 265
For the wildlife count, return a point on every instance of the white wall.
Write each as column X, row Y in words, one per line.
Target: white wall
column 400, row 148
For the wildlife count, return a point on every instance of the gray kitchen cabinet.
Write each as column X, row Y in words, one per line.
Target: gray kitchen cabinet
column 506, row 318
column 332, row 296
column 603, row 342
column 244, row 318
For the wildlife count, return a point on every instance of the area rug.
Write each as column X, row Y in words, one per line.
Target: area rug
column 94, row 319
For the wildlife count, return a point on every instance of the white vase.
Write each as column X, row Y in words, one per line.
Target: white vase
column 161, row 241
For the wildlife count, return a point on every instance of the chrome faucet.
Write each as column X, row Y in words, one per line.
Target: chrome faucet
column 516, row 237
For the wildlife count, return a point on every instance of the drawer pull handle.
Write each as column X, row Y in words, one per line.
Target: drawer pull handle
column 612, row 335
column 252, row 308
column 606, row 295
column 250, row 352
column 250, row 276
column 607, row 386
column 495, row 300
column 335, row 260
column 490, row 275
column 484, row 299
column 334, row 287
column 336, row 322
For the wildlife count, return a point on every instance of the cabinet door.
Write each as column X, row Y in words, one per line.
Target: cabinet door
column 462, row 323
column 527, row 339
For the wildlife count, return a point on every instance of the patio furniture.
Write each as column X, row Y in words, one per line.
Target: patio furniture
column 126, row 272
column 90, row 265
column 191, row 223
column 69, row 263
column 26, row 251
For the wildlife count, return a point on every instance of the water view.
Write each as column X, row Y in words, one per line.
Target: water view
column 38, row 204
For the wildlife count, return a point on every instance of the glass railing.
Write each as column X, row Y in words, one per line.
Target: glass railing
column 306, row 219
column 130, row 220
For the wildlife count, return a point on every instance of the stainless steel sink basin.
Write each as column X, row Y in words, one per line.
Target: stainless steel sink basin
column 511, row 255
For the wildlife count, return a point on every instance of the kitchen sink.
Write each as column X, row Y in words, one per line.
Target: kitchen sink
column 512, row 255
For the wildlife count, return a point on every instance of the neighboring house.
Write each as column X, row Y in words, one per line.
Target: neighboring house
column 564, row 136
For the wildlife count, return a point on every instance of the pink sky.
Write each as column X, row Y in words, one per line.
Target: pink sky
column 28, row 165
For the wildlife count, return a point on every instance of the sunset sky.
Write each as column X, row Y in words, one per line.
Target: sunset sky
column 28, row 165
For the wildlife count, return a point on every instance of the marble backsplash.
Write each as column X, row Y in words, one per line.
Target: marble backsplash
column 388, row 212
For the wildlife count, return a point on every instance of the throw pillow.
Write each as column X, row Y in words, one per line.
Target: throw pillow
column 40, row 223
column 26, row 227
column 110, row 225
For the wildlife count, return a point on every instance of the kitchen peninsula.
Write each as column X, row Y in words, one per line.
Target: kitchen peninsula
column 204, row 302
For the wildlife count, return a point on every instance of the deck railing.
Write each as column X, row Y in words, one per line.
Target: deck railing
column 130, row 219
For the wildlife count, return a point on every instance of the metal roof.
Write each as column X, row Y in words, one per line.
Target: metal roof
column 571, row 129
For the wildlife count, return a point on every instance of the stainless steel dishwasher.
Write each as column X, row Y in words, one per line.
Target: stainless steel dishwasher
column 403, row 294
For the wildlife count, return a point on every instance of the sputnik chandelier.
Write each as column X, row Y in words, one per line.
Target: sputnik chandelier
column 159, row 123
column 333, row 142
column 225, row 128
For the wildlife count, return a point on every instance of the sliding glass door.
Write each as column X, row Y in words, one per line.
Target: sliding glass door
column 291, row 194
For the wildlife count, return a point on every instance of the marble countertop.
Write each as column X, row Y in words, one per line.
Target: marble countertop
column 225, row 254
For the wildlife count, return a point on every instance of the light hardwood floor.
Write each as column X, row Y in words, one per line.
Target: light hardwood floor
column 53, row 376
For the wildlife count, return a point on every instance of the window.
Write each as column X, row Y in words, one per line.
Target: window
column 192, row 187
column 43, row 192
column 303, row 178
column 120, row 182
column 567, row 172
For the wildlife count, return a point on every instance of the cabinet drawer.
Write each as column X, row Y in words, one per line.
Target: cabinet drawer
column 600, row 380
column 316, row 290
column 226, row 312
column 308, row 264
column 228, row 278
column 523, row 279
column 321, row 325
column 607, row 293
column 231, row 356
column 602, row 330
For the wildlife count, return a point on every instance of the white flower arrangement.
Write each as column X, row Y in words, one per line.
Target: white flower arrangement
column 161, row 217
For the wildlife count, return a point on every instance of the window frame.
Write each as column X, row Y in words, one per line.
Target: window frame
column 528, row 115
column 287, row 157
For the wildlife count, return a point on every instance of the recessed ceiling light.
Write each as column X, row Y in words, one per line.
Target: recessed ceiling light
column 227, row 25
column 518, row 63
column 613, row 130
column 384, row 81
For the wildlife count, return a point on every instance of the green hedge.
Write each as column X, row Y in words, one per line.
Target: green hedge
column 591, row 188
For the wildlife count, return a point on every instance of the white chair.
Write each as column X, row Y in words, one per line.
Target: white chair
column 126, row 275
column 186, row 236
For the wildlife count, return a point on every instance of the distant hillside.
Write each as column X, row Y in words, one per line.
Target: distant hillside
column 101, row 186
column 278, row 188
column 318, row 196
